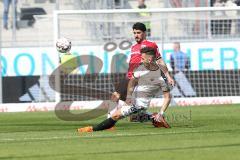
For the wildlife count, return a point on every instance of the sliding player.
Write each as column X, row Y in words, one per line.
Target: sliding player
column 145, row 83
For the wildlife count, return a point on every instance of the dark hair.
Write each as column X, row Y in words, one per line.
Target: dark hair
column 148, row 50
column 139, row 26
column 177, row 43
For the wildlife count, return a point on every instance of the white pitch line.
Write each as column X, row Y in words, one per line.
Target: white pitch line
column 84, row 135
column 38, row 138
column 91, row 135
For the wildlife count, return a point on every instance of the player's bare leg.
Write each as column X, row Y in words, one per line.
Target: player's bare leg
column 115, row 98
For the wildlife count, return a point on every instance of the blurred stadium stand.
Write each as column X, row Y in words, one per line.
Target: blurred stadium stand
column 42, row 38
column 24, row 35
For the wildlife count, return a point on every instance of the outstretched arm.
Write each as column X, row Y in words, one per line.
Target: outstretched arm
column 131, row 85
column 164, row 68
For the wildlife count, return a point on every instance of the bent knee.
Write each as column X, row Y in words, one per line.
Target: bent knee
column 168, row 96
column 117, row 115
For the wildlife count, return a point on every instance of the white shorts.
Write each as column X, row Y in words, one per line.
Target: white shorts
column 127, row 110
column 139, row 104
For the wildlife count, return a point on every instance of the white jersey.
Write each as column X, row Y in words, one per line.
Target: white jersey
column 149, row 81
column 149, row 84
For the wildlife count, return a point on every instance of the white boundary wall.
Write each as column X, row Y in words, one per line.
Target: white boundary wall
column 182, row 102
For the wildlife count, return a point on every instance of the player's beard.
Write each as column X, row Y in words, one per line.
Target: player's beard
column 139, row 39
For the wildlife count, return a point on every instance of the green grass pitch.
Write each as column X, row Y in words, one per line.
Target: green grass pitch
column 199, row 132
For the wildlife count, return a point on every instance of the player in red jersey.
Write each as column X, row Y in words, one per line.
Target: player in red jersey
column 139, row 32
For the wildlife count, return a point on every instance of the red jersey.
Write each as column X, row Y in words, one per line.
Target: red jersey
column 135, row 58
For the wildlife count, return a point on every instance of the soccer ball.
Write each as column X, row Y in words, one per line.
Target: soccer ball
column 63, row 45
column 156, row 123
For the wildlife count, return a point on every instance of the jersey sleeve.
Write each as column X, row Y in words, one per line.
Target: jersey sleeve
column 132, row 66
column 134, row 62
column 158, row 55
column 135, row 75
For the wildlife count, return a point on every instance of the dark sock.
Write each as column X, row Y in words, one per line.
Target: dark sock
column 106, row 124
